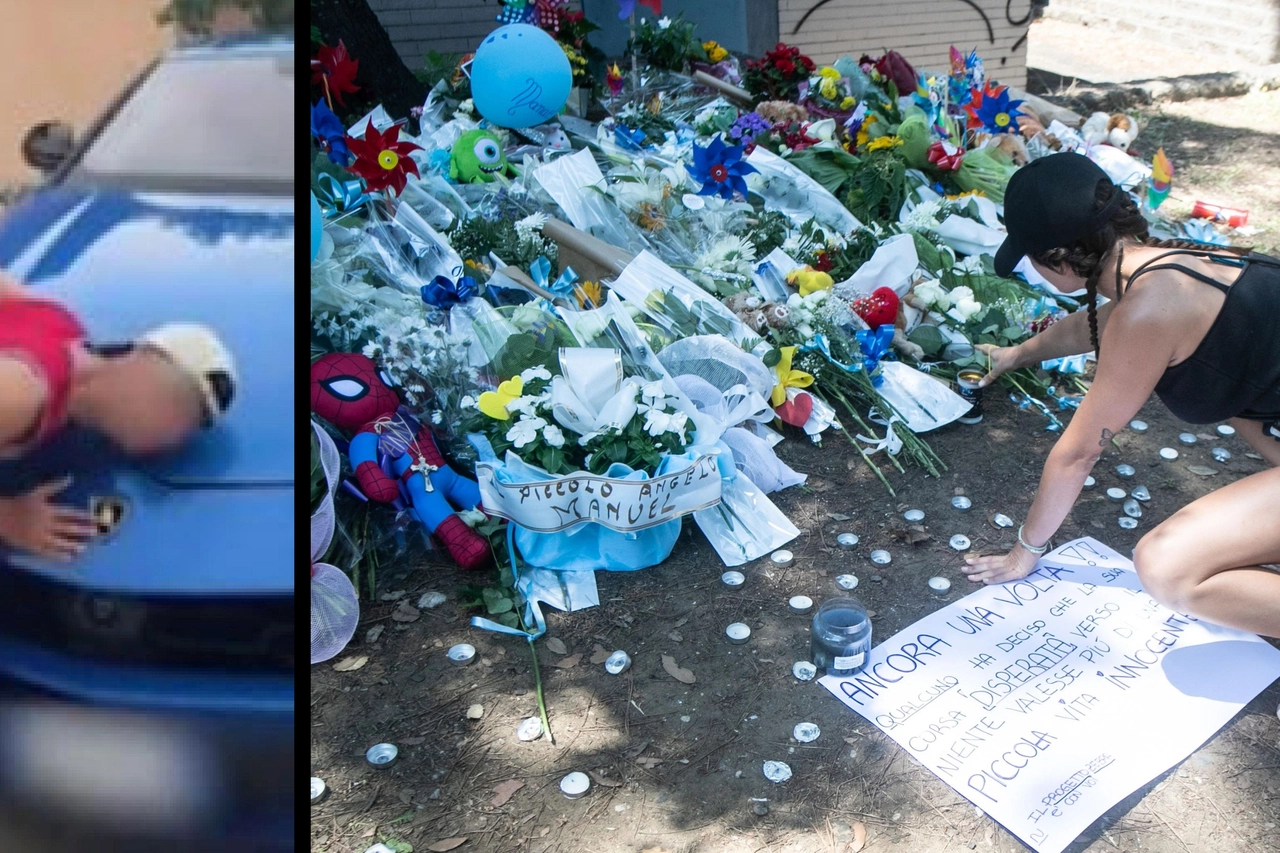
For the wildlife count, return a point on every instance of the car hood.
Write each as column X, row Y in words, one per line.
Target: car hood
column 127, row 262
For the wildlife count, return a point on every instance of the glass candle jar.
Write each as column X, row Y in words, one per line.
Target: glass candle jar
column 841, row 637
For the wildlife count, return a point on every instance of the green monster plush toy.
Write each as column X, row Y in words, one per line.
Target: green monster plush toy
column 477, row 158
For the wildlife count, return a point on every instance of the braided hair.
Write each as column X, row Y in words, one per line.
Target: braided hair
column 1087, row 256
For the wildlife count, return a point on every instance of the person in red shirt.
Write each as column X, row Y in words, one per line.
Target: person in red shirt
column 180, row 376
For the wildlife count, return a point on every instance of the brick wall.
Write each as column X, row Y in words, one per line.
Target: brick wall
column 921, row 30
column 1248, row 29
column 447, row 26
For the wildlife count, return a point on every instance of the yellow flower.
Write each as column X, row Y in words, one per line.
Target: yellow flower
column 829, row 73
column 788, row 378
column 847, row 102
column 864, row 132
column 714, row 51
column 589, row 294
column 883, row 142
column 969, row 194
column 827, row 88
column 650, row 217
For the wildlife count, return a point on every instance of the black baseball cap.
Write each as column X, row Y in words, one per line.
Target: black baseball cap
column 1049, row 203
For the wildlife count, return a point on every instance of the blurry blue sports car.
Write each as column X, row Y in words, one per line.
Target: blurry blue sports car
column 149, row 685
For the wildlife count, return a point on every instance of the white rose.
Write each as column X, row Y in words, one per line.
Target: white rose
column 967, row 308
column 532, row 373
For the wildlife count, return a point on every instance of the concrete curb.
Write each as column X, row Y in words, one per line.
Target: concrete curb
column 1113, row 97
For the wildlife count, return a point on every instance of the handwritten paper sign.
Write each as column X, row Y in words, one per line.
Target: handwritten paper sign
column 1046, row 701
column 623, row 505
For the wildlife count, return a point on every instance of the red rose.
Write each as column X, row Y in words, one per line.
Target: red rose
column 807, row 64
column 895, row 66
column 823, row 262
column 786, row 66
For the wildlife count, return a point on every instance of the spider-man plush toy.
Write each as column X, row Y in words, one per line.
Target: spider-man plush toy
column 351, row 393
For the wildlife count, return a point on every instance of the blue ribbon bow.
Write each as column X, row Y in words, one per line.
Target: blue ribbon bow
column 444, row 293
column 874, row 345
column 338, row 196
column 540, row 272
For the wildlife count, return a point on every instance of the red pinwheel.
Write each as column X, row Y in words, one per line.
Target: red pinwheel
column 334, row 69
column 381, row 159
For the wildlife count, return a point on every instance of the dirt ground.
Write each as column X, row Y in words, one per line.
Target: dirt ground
column 680, row 763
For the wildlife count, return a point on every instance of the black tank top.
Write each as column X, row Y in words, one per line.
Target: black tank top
column 1235, row 371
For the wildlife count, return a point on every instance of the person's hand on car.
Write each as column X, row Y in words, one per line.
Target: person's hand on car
column 35, row 523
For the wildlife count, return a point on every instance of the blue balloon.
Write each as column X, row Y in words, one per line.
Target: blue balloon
column 317, row 226
column 520, row 77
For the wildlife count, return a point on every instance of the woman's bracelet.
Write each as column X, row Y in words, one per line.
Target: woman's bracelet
column 1033, row 549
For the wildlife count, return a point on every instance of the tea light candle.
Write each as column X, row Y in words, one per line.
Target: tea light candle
column 575, row 785
column 462, row 654
column 738, row 633
column 733, row 580
column 800, row 603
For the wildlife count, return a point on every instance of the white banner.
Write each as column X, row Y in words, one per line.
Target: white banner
column 1048, row 700
column 623, row 505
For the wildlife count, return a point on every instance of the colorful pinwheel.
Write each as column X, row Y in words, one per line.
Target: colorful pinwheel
column 995, row 112
column 329, row 132
column 720, row 169
column 335, row 70
column 626, row 8
column 382, row 159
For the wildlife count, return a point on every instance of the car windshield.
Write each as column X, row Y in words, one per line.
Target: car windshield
column 205, row 120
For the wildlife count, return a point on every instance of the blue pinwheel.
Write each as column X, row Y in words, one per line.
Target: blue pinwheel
column 997, row 113
column 328, row 129
column 720, row 169
column 626, row 8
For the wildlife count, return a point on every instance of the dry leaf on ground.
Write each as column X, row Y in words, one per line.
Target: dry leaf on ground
column 446, row 844
column 859, row 838
column 599, row 654
column 349, row 664
column 604, row 780
column 676, row 671
column 648, row 762
column 1201, row 470
column 413, row 741
column 570, row 661
column 502, row 792
column 556, row 645
column 406, row 612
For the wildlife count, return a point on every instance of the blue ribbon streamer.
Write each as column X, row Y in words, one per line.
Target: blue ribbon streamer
column 819, row 344
column 532, row 612
column 628, row 138
column 444, row 293
column 874, row 345
column 339, row 196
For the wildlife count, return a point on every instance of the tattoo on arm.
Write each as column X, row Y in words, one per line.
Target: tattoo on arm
column 1106, row 436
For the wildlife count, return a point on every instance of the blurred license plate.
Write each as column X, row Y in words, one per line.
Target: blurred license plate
column 126, row 771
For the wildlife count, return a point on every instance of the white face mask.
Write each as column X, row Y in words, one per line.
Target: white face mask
column 1035, row 279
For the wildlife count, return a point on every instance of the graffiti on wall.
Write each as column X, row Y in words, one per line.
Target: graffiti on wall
column 1031, row 6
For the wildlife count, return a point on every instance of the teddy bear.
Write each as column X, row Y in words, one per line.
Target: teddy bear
column 758, row 314
column 1118, row 130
